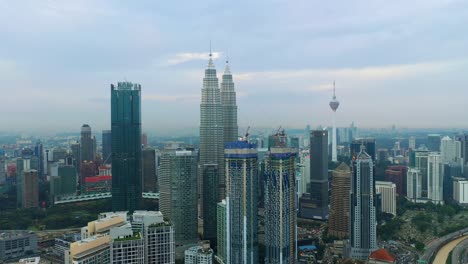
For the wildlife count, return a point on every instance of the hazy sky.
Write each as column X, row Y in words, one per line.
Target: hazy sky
column 395, row 62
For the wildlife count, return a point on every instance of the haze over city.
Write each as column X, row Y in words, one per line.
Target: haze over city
column 395, row 62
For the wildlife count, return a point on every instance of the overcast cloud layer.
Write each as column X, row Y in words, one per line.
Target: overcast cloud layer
column 394, row 62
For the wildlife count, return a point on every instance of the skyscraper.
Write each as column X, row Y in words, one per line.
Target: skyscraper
column 106, row 146
column 178, row 192
column 211, row 151
column 435, row 173
column 149, row 170
column 369, row 144
column 363, row 220
column 319, row 173
column 88, row 150
column 433, row 142
column 126, row 146
column 280, row 206
column 241, row 202
column 339, row 207
column 450, row 150
column 228, row 101
column 334, row 106
column 221, row 255
column 414, row 184
column 30, row 189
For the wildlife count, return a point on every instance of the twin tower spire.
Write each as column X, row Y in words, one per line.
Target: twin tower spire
column 218, row 125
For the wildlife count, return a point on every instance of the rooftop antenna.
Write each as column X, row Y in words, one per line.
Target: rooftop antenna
column 334, row 96
column 210, row 48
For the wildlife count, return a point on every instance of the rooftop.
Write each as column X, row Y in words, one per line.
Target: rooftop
column 382, row 255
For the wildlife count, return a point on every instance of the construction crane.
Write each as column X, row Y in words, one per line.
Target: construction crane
column 246, row 137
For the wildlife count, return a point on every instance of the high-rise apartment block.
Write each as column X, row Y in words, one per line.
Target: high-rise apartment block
column 280, row 206
column 339, row 206
column 363, row 221
column 435, row 173
column 178, row 192
column 126, row 146
column 433, row 142
column 241, row 202
column 387, row 190
column 144, row 237
column 201, row 254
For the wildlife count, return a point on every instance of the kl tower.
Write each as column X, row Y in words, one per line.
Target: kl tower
column 334, row 106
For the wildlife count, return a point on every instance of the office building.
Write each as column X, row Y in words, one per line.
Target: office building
column 304, row 170
column 460, row 191
column 229, row 107
column 68, row 180
column 387, row 191
column 144, row 140
column 16, row 244
column 369, row 143
column 435, row 175
column 421, row 163
column 106, row 146
column 178, row 192
column 30, row 189
column 149, row 170
column 39, row 153
column 451, row 150
column 126, row 146
column 280, row 206
column 87, row 143
column 363, row 222
column 24, row 163
column 241, row 202
column 87, row 170
column 339, row 206
column 221, row 231
column 211, row 151
column 334, row 106
column 319, row 173
column 433, row 142
column 412, row 143
column 202, row 254
column 98, row 184
column 397, row 175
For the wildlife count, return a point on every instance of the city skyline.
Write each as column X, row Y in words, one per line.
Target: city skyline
column 388, row 57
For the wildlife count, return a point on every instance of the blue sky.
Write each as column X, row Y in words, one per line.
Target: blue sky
column 394, row 62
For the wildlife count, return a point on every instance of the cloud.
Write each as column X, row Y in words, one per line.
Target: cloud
column 190, row 56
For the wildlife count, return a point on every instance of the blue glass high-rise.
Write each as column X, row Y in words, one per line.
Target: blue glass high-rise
column 126, row 146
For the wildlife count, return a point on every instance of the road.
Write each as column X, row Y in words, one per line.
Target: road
column 434, row 245
column 459, row 254
column 443, row 253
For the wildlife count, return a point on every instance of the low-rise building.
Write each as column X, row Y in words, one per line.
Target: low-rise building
column 201, row 254
column 16, row 244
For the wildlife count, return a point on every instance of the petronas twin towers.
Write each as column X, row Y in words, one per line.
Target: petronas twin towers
column 218, row 125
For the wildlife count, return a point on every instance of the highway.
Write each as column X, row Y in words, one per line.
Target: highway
column 443, row 253
column 460, row 253
column 435, row 245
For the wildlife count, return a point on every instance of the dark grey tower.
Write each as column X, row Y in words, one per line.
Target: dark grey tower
column 211, row 151
column 319, row 173
column 88, row 150
column 362, row 207
column 126, row 146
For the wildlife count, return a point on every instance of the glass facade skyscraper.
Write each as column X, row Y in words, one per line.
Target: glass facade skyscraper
column 241, row 201
column 363, row 220
column 106, row 146
column 280, row 206
column 126, row 146
column 228, row 100
column 211, row 151
column 319, row 173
